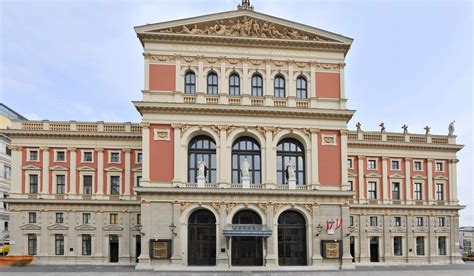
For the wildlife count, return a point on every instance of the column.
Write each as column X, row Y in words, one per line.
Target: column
column 100, row 171
column 385, row 184
column 144, row 258
column 43, row 239
column 177, row 258
column 16, row 179
column 453, row 191
column 201, row 78
column 224, row 80
column 245, row 86
column 270, row 156
column 360, row 175
column 179, row 77
column 346, row 255
column 430, row 198
column 125, row 239
column 72, row 169
column 177, row 161
column 408, row 184
column 342, row 103
column 224, row 164
column 432, row 241
column 71, row 235
column 363, row 240
column 410, row 244
column 145, row 154
column 387, row 241
column 45, row 171
column 268, row 86
column 146, row 84
column 98, row 239
column 222, row 257
column 317, row 259
column 453, row 241
column 315, row 159
column 344, row 170
column 272, row 241
column 127, row 171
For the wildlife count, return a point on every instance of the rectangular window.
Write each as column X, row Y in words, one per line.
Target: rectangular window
column 113, row 218
column 442, row 246
column 419, row 221
column 115, row 185
column 439, row 192
column 61, row 184
column 395, row 165
column 397, row 246
column 60, row 156
column 7, row 172
column 349, row 163
column 418, row 191
column 5, row 226
column 396, row 190
column 59, row 218
column 372, row 164
column 139, row 219
column 441, row 222
column 32, row 217
column 87, row 182
column 351, row 185
column 115, row 157
column 420, row 246
column 86, row 218
column 33, row 183
column 87, row 156
column 372, row 190
column 439, row 166
column 373, row 221
column 33, row 156
column 59, row 244
column 398, row 221
column 139, row 180
column 351, row 221
column 417, row 166
column 139, row 157
column 86, row 245
column 32, row 244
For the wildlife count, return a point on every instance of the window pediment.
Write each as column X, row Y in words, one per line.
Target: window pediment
column 30, row 226
column 85, row 168
column 58, row 226
column 113, row 228
column 85, row 227
column 58, row 168
column 31, row 168
column 113, row 169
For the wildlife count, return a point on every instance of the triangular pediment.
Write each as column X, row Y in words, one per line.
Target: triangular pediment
column 441, row 177
column 419, row 176
column 243, row 23
column 30, row 226
column 113, row 169
column 58, row 168
column 113, row 228
column 57, row 226
column 372, row 175
column 396, row 175
column 31, row 168
column 85, row 227
column 350, row 174
column 85, row 168
column 137, row 169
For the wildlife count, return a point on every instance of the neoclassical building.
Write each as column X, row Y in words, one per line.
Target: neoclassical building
column 243, row 157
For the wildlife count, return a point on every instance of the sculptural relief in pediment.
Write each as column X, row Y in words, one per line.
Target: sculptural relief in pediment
column 244, row 27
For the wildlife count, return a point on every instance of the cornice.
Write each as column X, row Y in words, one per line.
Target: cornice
column 72, row 201
column 403, row 145
column 176, row 108
column 417, row 207
column 23, row 133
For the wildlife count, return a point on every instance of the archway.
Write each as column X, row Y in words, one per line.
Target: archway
column 292, row 239
column 202, row 238
column 247, row 250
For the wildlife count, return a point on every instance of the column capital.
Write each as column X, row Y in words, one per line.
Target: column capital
column 72, row 149
column 145, row 125
column 344, row 132
column 127, row 150
column 408, row 159
column 453, row 161
column 314, row 130
column 430, row 160
column 177, row 126
column 361, row 157
column 99, row 149
column 43, row 148
column 385, row 158
column 15, row 148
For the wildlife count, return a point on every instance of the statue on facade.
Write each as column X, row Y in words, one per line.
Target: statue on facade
column 405, row 129
column 427, row 130
column 290, row 171
column 382, row 127
column 201, row 168
column 245, row 168
column 451, row 128
column 359, row 126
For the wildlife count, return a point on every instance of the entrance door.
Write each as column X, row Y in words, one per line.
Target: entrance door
column 374, row 249
column 114, row 248
column 291, row 239
column 247, row 251
column 138, row 247
column 352, row 249
column 202, row 239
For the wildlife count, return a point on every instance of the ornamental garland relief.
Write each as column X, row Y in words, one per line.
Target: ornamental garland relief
column 245, row 27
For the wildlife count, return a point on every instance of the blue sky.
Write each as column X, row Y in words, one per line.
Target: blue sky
column 411, row 61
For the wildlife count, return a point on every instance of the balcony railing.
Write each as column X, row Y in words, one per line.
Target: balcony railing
column 78, row 126
column 401, row 138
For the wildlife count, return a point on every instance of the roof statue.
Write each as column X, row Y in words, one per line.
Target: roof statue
column 405, row 129
column 359, row 126
column 245, row 5
column 382, row 127
column 427, row 130
column 451, row 128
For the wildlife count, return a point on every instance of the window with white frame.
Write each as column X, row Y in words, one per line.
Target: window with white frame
column 372, row 164
column 87, row 184
column 372, row 191
column 139, row 157
column 441, row 222
column 113, row 218
column 114, row 157
column 418, row 195
column 397, row 221
column 373, row 221
column 420, row 246
column 396, row 190
column 349, row 163
column 417, row 166
column 440, row 166
column 33, row 183
column 419, row 221
column 33, row 155
column 395, row 165
column 59, row 244
column 86, row 218
column 60, row 184
column 439, row 191
column 87, row 156
column 397, row 246
column 114, row 185
column 60, row 156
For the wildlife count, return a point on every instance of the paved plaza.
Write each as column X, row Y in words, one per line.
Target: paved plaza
column 461, row 269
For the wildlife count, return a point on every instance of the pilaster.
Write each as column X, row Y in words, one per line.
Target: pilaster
column 270, row 156
column 72, row 166
column 145, row 153
column 272, row 241
column 127, row 171
column 315, row 161
column 176, row 258
column 385, row 185
column 100, row 171
column 346, row 255
column 222, row 257
column 316, row 259
column 361, row 180
column 344, row 170
column 363, row 240
column 178, row 168
column 430, row 198
column 223, row 173
column 45, row 171
column 408, row 184
column 453, row 191
column 16, row 162
column 144, row 261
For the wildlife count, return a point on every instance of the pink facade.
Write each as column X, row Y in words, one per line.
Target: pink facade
column 162, row 155
column 329, row 160
column 162, row 77
column 328, row 85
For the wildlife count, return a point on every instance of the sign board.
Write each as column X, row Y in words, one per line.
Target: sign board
column 331, row 249
column 160, row 249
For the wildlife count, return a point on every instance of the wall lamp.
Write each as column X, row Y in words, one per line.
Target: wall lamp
column 351, row 229
column 319, row 229
column 173, row 229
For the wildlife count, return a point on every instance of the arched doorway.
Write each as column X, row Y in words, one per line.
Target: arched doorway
column 247, row 250
column 291, row 239
column 202, row 239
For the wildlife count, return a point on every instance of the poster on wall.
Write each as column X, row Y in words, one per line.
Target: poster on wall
column 331, row 249
column 160, row 249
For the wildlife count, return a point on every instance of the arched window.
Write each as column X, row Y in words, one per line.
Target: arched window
column 257, row 85
column 290, row 149
column 301, row 88
column 202, row 238
column 202, row 148
column 291, row 239
column 279, row 86
column 190, row 83
column 246, row 148
column 212, row 84
column 234, row 84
